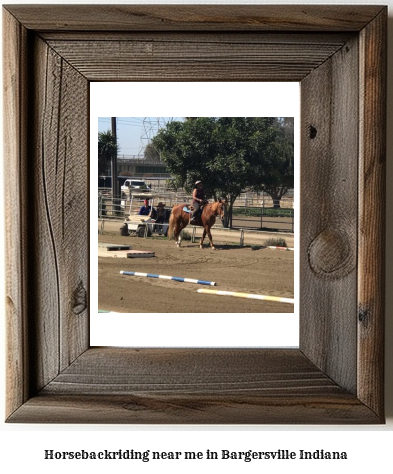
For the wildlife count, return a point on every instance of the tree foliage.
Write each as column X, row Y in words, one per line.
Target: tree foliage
column 151, row 154
column 229, row 154
column 107, row 148
column 280, row 178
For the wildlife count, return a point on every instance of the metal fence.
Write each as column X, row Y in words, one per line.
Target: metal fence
column 257, row 212
column 251, row 211
column 119, row 208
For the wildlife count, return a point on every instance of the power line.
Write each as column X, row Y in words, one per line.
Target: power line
column 151, row 126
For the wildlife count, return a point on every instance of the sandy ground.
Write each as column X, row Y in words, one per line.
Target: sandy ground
column 249, row 269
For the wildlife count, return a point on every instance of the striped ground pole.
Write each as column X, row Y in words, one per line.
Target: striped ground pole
column 247, row 295
column 166, row 277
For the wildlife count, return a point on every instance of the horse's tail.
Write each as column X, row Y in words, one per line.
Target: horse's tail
column 171, row 225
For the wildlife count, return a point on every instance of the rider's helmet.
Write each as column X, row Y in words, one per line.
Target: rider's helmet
column 198, row 182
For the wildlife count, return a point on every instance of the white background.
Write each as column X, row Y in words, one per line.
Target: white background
column 190, row 100
column 368, row 447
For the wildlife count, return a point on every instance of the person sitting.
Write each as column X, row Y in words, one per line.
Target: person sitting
column 161, row 213
column 145, row 209
column 198, row 198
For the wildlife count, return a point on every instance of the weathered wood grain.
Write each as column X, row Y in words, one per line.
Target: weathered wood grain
column 193, row 386
column 15, row 172
column 372, row 195
column 59, row 181
column 202, row 37
column 239, row 409
column 329, row 183
column 155, row 60
column 47, row 218
column 195, row 18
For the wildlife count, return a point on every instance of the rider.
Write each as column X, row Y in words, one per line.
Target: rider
column 198, row 197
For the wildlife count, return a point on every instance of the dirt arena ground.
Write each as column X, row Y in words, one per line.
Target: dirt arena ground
column 249, row 269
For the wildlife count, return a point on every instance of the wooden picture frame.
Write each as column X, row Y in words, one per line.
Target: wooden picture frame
column 338, row 54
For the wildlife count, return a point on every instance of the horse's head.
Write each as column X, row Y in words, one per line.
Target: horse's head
column 220, row 208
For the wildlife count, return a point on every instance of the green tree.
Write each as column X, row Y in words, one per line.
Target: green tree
column 151, row 154
column 229, row 154
column 107, row 147
column 278, row 173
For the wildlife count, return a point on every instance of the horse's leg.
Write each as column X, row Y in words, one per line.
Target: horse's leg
column 202, row 238
column 210, row 238
column 179, row 228
column 176, row 234
column 179, row 236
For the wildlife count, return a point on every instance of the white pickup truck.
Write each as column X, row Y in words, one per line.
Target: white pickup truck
column 134, row 184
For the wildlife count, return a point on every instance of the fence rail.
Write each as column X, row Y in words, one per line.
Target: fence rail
column 250, row 211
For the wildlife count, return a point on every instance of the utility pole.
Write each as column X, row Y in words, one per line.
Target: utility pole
column 114, row 162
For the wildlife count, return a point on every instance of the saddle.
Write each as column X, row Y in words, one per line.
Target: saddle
column 188, row 208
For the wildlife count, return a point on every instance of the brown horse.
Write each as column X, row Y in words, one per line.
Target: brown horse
column 180, row 219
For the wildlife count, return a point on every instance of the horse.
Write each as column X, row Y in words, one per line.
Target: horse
column 180, row 218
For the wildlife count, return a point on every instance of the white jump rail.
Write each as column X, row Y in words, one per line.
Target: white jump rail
column 247, row 295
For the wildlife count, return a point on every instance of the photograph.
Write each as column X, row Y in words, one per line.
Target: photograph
column 201, row 217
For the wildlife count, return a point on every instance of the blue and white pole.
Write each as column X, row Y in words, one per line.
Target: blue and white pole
column 166, row 277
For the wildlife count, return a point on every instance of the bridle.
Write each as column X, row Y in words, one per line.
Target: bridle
column 219, row 214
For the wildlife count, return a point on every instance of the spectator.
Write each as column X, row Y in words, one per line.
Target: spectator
column 145, row 209
column 160, row 213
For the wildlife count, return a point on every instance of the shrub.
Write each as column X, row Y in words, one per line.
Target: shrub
column 257, row 211
column 275, row 242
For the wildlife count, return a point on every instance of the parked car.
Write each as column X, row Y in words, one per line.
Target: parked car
column 134, row 184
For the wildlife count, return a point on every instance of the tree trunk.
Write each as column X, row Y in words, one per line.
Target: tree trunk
column 276, row 199
column 230, row 214
column 225, row 221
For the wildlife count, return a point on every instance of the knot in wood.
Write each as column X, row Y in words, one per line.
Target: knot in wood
column 330, row 254
column 80, row 299
column 313, row 132
column 363, row 316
